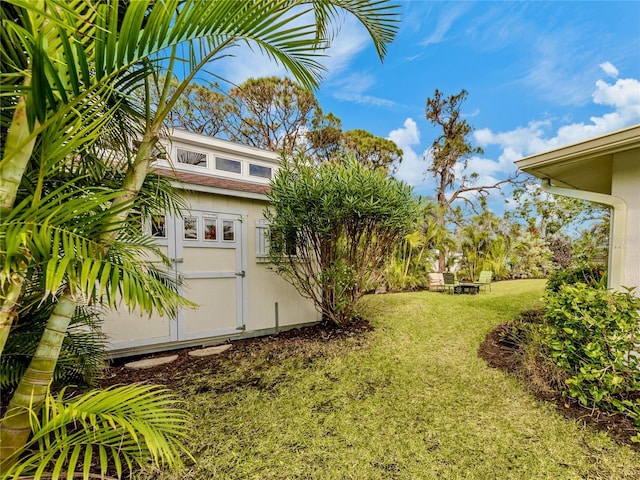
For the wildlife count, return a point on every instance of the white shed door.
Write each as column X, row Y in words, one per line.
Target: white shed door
column 208, row 256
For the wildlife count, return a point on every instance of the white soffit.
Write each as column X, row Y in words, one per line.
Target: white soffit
column 585, row 165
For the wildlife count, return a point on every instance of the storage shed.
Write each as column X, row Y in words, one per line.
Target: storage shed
column 219, row 247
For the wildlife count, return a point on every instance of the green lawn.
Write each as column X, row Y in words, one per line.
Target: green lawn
column 411, row 400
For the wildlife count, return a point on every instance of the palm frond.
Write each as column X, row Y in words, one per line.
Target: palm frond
column 379, row 17
column 123, row 426
column 61, row 236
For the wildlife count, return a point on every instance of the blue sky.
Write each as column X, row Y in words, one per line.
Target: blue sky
column 539, row 75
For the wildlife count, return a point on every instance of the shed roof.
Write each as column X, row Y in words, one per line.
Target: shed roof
column 215, row 182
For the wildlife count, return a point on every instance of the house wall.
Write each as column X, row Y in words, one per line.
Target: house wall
column 625, row 183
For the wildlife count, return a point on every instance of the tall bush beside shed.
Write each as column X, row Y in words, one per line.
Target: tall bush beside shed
column 333, row 228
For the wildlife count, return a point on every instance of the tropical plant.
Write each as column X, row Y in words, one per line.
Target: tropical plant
column 70, row 69
column 592, row 244
column 498, row 257
column 82, row 358
column 474, row 244
column 408, row 265
column 413, row 257
column 592, row 335
column 121, row 427
column 532, row 257
column 333, row 228
column 593, row 275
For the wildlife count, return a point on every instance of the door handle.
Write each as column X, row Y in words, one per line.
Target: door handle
column 241, row 274
column 177, row 260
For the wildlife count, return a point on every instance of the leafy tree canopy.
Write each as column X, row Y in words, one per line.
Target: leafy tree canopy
column 371, row 151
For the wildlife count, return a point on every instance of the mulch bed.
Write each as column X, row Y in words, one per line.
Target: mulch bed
column 287, row 342
column 506, row 356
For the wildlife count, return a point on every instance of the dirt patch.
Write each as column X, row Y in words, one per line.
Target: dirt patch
column 501, row 352
column 289, row 343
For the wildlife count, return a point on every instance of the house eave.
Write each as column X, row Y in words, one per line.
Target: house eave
column 584, row 165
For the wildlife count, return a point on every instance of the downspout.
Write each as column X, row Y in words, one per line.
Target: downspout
column 618, row 238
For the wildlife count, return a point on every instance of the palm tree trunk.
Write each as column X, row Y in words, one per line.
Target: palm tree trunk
column 441, row 261
column 8, row 310
column 15, row 427
column 17, row 152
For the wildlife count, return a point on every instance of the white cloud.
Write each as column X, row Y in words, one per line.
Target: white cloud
column 243, row 63
column 609, row 69
column 445, row 21
column 552, row 77
column 408, row 135
column 352, row 88
column 623, row 94
column 349, row 42
column 623, row 97
column 411, row 169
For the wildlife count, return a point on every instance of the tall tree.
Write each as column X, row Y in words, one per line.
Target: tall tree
column 449, row 154
column 276, row 114
column 69, row 70
column 199, row 109
column 324, row 138
column 552, row 215
column 270, row 113
column 370, row 150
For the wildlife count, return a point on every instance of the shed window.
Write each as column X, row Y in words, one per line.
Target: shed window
column 191, row 158
column 262, row 240
column 259, row 171
column 227, row 165
column 228, row 231
column 210, row 228
column 190, row 228
column 159, row 226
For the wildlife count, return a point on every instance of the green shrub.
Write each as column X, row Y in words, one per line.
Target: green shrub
column 593, row 335
column 592, row 275
column 333, row 228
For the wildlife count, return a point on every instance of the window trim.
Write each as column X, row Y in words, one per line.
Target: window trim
column 191, row 150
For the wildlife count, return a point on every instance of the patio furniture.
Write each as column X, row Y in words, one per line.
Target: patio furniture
column 468, row 288
column 436, row 282
column 485, row 279
column 449, row 281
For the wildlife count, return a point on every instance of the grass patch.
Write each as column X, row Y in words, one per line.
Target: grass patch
column 410, row 400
